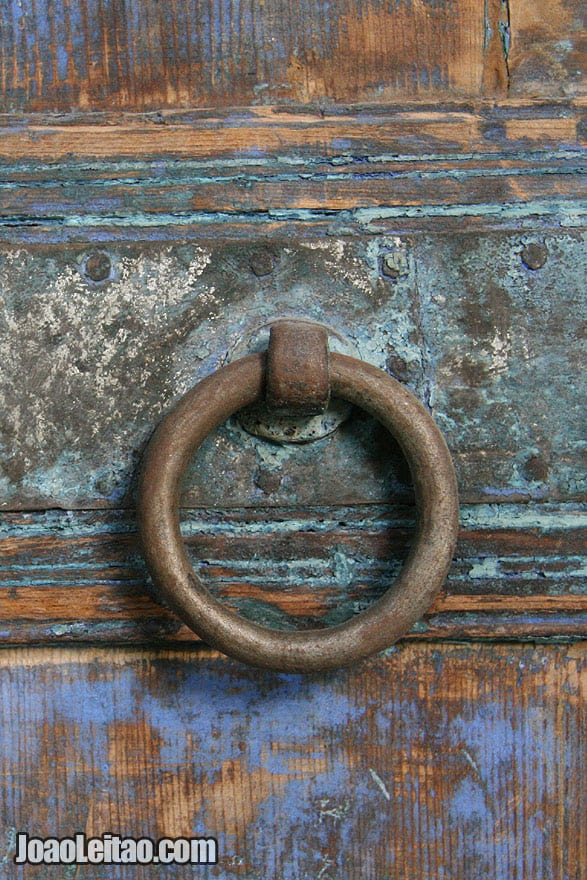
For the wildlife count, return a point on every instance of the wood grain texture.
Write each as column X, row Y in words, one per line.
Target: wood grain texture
column 61, row 56
column 454, row 761
column 517, row 572
column 548, row 52
column 437, row 760
column 294, row 133
column 120, row 177
column 188, row 188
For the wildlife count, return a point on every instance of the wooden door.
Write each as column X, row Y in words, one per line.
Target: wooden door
column 172, row 178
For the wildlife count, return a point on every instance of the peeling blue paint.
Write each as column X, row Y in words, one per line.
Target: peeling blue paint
column 233, row 717
column 523, row 516
column 543, row 517
column 504, row 32
column 67, row 629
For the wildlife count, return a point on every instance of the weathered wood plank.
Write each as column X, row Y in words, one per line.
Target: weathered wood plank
column 399, row 130
column 127, row 55
column 481, row 336
column 548, row 47
column 432, row 761
column 58, row 56
column 327, row 187
column 517, row 572
column 290, row 173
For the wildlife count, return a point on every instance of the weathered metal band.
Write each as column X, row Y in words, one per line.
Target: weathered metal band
column 205, row 407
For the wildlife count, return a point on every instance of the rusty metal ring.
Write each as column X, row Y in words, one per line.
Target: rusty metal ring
column 210, row 403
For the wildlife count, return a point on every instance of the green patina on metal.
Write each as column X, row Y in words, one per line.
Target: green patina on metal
column 112, row 307
column 90, row 366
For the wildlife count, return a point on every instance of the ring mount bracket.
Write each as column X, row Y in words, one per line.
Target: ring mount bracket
column 312, row 418
column 224, row 393
column 297, row 379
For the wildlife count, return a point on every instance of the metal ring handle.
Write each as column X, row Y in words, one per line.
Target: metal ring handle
column 209, row 404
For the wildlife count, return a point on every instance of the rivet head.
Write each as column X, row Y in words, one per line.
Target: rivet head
column 534, row 256
column 262, row 263
column 536, row 468
column 97, row 266
column 268, row 481
column 395, row 264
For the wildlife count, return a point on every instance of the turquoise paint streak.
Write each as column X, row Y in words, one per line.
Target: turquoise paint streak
column 337, row 570
column 567, row 213
column 325, row 519
column 362, row 173
column 168, row 171
column 523, row 516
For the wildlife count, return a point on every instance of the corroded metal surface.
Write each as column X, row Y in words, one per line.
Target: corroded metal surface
column 146, row 248
column 297, row 377
column 492, row 347
column 289, row 427
column 89, row 367
column 241, row 384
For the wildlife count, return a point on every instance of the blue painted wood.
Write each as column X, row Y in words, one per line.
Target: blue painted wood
column 364, row 177
column 436, row 761
column 424, row 764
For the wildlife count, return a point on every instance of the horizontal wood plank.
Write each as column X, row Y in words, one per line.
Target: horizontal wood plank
column 268, row 132
column 111, row 177
column 517, row 573
column 128, row 55
column 377, row 183
column 435, row 760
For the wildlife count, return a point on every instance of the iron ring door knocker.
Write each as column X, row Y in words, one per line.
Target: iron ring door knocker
column 288, row 371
